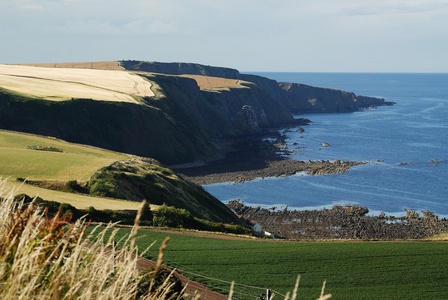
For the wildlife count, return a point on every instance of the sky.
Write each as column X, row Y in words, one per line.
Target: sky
column 248, row 35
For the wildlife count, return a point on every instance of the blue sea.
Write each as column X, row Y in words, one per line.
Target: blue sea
column 413, row 131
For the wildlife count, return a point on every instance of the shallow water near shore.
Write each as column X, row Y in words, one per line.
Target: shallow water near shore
column 406, row 145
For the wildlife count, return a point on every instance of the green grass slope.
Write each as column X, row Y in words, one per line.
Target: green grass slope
column 76, row 162
column 139, row 179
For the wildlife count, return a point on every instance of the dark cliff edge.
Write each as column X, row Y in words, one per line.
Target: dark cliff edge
column 178, row 68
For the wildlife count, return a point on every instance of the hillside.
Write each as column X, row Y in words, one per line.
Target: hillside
column 105, row 178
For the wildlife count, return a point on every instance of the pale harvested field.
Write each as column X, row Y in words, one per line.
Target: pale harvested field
column 99, row 65
column 217, row 83
column 78, row 201
column 64, row 84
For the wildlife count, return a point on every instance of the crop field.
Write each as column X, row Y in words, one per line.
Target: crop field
column 63, row 84
column 352, row 270
column 76, row 162
column 217, row 83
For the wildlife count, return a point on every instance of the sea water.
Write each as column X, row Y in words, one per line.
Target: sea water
column 406, row 146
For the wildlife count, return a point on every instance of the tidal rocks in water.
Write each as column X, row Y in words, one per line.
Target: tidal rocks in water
column 325, row 144
column 341, row 222
column 279, row 168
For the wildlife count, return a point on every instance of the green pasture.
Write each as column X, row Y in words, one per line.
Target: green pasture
column 76, row 162
column 352, row 270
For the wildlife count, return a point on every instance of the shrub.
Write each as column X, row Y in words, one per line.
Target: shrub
column 169, row 216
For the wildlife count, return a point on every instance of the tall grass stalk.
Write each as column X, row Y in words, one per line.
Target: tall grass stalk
column 49, row 258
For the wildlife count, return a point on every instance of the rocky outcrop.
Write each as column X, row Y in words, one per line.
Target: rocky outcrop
column 308, row 99
column 341, row 222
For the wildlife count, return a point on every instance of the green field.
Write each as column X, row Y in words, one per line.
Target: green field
column 76, row 162
column 352, row 270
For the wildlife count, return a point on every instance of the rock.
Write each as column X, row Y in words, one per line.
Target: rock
column 325, row 144
column 300, row 130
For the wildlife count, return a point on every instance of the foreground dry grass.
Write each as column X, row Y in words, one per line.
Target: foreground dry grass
column 64, row 84
column 40, row 258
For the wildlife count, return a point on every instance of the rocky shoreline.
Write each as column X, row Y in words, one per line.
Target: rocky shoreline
column 341, row 222
column 279, row 168
column 259, row 158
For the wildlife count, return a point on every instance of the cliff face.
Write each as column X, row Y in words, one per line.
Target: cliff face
column 136, row 129
column 277, row 98
column 221, row 114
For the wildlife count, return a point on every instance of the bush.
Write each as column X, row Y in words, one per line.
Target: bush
column 169, row 216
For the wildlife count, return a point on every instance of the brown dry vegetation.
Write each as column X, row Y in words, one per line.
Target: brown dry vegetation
column 216, row 83
column 64, row 84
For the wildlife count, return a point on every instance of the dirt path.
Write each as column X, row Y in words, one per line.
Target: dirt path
column 193, row 288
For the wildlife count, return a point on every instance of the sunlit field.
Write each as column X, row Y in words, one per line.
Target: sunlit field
column 64, row 84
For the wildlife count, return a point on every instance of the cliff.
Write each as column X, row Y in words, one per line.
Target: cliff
column 277, row 97
column 142, row 130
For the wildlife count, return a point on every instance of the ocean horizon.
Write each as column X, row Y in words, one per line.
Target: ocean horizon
column 405, row 146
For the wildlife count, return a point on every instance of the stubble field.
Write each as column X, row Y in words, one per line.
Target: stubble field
column 64, row 84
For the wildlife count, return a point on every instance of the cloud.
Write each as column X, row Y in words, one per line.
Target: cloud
column 253, row 34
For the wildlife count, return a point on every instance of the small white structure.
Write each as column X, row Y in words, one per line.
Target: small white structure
column 254, row 226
